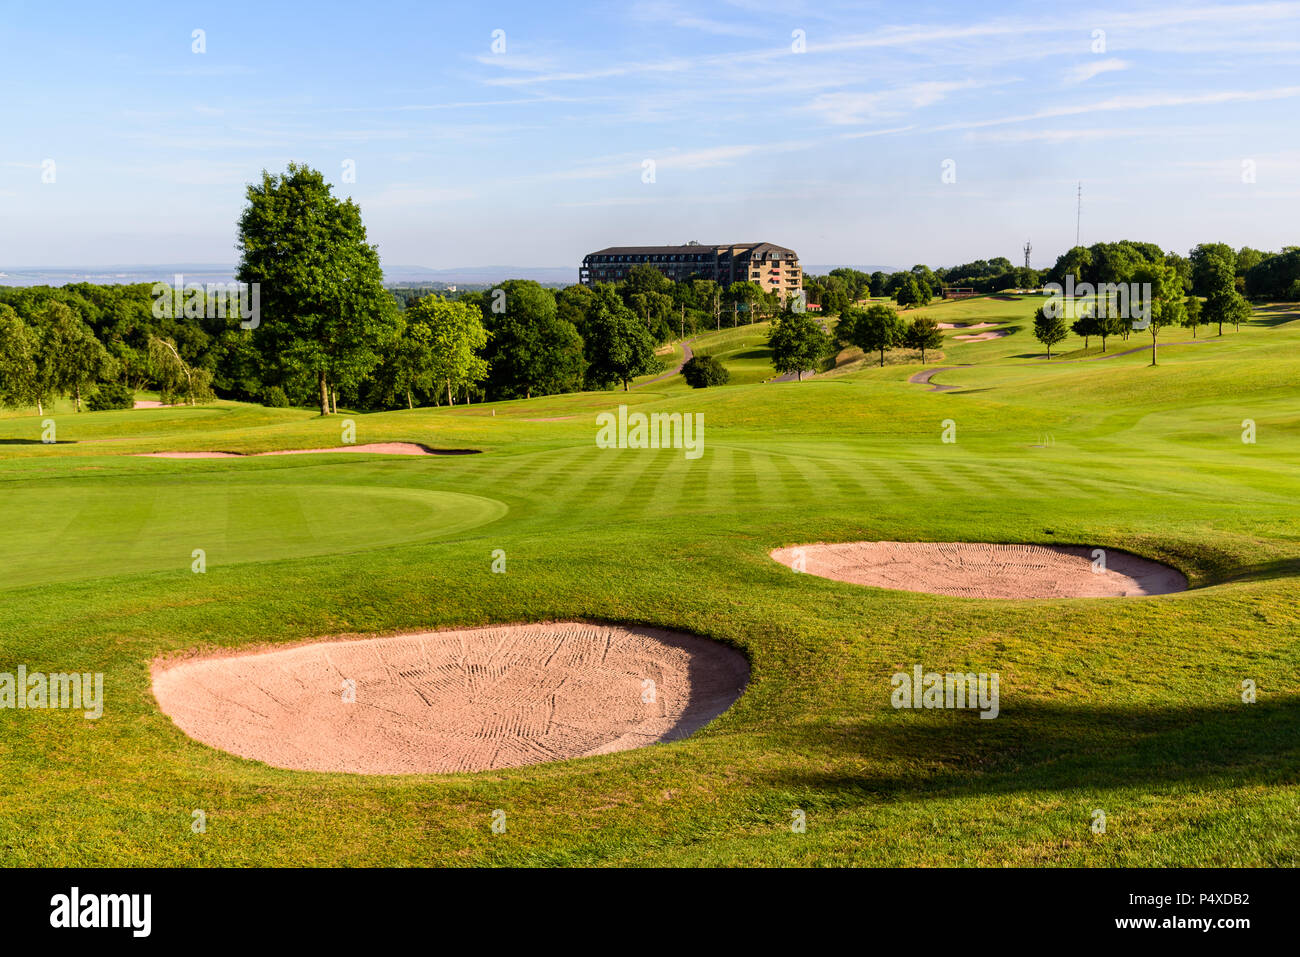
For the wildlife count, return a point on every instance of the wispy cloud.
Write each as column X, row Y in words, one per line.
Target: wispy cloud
column 1086, row 71
column 1065, row 135
column 689, row 19
column 865, row 133
column 1133, row 102
column 848, row 108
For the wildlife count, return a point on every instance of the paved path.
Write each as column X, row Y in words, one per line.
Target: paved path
column 686, row 357
column 923, row 378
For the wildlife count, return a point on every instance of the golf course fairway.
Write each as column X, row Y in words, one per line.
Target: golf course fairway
column 1177, row 715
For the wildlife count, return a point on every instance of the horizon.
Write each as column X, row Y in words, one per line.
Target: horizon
column 847, row 135
column 396, row 274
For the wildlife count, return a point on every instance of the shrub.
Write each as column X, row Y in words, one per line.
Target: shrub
column 700, row 372
column 275, row 398
column 111, row 395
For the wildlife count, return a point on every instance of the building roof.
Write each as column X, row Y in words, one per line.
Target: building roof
column 702, row 248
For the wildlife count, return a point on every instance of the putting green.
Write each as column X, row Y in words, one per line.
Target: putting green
column 64, row 531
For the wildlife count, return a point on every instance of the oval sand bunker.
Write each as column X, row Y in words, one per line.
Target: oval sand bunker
column 447, row 701
column 975, row 570
column 376, row 448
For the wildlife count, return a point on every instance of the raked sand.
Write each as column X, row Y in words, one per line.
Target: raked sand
column 443, row 701
column 977, row 570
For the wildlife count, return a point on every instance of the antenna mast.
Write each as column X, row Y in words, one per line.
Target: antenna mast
column 1028, row 248
column 1078, row 216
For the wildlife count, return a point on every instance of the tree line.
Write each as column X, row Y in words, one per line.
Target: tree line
column 329, row 332
column 1207, row 287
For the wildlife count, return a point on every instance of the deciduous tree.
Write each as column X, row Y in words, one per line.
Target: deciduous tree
column 1049, row 329
column 922, row 334
column 798, row 343
column 618, row 347
column 324, row 310
column 877, row 328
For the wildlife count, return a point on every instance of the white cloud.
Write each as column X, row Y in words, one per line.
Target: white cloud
column 1086, row 71
column 864, row 133
column 847, row 108
column 1133, row 102
column 1063, row 136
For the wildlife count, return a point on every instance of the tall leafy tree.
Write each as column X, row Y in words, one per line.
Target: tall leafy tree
column 408, row 368
column 923, row 334
column 531, row 351
column 18, row 377
column 835, row 297
column 912, row 292
column 325, row 315
column 927, row 283
column 67, row 355
column 83, row 360
column 1076, row 261
column 798, row 344
column 877, row 328
column 708, row 294
column 1085, row 327
column 1210, row 262
column 618, row 346
column 177, row 379
column 749, row 293
column 456, row 336
column 1167, row 302
column 574, row 304
column 1192, row 314
column 1222, row 301
column 1049, row 329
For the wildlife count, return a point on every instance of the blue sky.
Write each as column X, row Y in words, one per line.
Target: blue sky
column 535, row 155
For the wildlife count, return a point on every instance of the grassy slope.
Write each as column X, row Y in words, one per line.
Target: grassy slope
column 1131, row 706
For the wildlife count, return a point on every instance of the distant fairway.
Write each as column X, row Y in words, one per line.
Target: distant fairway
column 1130, row 706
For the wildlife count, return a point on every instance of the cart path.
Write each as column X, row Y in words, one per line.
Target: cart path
column 686, row 357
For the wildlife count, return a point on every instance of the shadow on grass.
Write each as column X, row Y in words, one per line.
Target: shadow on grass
column 1036, row 746
column 1265, row 571
column 35, row 442
column 1275, row 315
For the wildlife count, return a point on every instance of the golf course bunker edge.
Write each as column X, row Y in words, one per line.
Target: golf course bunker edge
column 449, row 701
column 981, row 570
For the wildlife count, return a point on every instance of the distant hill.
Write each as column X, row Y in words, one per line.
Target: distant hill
column 214, row 272
column 393, row 275
column 113, row 275
column 481, row 275
column 815, row 269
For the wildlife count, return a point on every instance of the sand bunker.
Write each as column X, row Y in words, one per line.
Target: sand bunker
column 981, row 336
column 966, row 325
column 974, row 570
column 378, row 448
column 447, row 701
